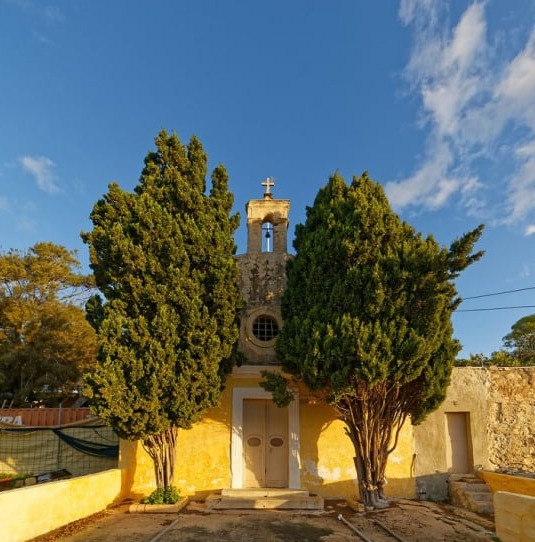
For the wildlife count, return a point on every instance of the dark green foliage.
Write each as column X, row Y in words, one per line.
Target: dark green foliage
column 500, row 358
column 163, row 259
column 521, row 341
column 170, row 495
column 367, row 313
column 277, row 385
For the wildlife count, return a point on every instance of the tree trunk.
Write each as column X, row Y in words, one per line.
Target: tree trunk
column 161, row 448
column 373, row 417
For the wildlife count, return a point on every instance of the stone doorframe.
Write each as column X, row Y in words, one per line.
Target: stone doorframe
column 236, row 444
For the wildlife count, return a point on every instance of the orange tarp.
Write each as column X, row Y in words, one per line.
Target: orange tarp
column 43, row 417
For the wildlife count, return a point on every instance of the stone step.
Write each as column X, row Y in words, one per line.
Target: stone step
column 479, row 496
column 262, row 499
column 471, row 493
column 482, row 507
column 264, row 492
column 476, row 487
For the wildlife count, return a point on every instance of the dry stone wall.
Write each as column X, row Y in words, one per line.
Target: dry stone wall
column 511, row 418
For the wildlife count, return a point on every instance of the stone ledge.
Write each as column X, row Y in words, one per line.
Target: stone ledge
column 140, row 508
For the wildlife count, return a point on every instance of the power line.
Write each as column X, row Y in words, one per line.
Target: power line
column 497, row 308
column 499, row 293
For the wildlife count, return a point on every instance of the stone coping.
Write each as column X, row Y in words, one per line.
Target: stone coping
column 159, row 508
column 511, row 483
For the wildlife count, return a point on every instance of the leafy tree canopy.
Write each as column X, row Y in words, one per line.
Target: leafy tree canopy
column 499, row 358
column 162, row 256
column 45, row 340
column 367, row 313
column 519, row 348
column 521, row 341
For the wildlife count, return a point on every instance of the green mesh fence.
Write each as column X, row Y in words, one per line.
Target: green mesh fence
column 78, row 449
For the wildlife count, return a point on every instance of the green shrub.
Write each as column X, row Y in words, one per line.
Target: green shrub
column 170, row 495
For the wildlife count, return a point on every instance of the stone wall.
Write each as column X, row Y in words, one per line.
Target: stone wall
column 262, row 278
column 500, row 406
column 511, row 418
column 262, row 283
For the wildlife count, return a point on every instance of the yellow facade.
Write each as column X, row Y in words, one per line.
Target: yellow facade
column 325, row 453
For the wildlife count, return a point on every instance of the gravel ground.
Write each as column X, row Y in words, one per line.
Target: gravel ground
column 414, row 521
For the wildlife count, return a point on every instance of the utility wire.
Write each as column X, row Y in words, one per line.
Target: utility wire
column 497, row 308
column 499, row 293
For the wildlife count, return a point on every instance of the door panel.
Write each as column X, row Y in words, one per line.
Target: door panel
column 265, row 431
column 458, row 449
column 254, row 442
column 276, row 445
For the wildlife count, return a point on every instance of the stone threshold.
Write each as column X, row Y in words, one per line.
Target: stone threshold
column 264, row 498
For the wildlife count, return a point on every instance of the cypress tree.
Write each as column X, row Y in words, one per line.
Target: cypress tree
column 367, row 318
column 162, row 257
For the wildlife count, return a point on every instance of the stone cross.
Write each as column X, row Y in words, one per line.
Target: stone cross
column 268, row 183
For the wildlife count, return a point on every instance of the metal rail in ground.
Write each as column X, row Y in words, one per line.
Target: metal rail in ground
column 365, row 537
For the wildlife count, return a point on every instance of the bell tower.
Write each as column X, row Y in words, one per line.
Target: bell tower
column 267, row 222
column 263, row 275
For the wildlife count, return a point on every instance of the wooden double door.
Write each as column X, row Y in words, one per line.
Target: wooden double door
column 265, row 444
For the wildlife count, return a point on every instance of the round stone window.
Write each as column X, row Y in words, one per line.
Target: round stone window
column 262, row 327
column 265, row 328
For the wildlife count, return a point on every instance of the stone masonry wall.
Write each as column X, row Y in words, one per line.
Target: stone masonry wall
column 511, row 418
column 262, row 283
column 262, row 278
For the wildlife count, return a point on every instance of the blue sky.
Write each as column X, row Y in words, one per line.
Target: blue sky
column 435, row 99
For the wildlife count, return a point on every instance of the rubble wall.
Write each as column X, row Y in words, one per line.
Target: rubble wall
column 511, row 418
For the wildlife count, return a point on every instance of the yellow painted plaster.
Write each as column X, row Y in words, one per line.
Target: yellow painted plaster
column 203, row 457
column 327, row 466
column 514, row 517
column 34, row 510
column 326, row 453
column 506, row 482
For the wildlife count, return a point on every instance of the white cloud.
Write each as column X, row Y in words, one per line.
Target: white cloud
column 522, row 184
column 476, row 101
column 428, row 186
column 53, row 14
column 530, row 230
column 410, row 9
column 42, row 169
column 518, row 83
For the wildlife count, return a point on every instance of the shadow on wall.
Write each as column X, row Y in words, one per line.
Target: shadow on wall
column 433, row 487
column 327, row 456
column 327, row 466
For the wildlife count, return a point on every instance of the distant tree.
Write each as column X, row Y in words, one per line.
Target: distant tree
column 45, row 341
column 521, row 340
column 367, row 319
column 167, row 327
column 519, row 348
column 473, row 360
column 499, row 358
